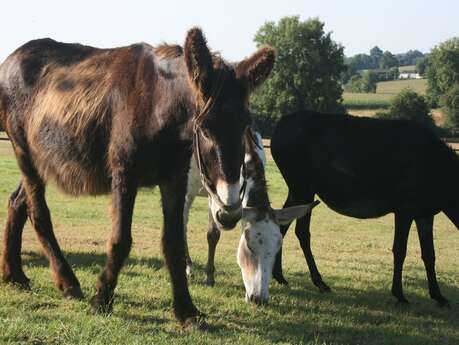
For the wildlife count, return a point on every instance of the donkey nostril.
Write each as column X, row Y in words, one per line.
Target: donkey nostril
column 228, row 221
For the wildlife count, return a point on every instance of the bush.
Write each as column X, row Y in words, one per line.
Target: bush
column 362, row 84
column 450, row 104
column 409, row 105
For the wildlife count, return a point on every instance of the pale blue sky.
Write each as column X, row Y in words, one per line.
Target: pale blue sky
column 229, row 25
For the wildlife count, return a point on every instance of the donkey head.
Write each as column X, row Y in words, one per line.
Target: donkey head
column 222, row 117
column 259, row 244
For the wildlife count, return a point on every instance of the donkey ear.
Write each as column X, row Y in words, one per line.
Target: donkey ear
column 286, row 215
column 198, row 62
column 257, row 67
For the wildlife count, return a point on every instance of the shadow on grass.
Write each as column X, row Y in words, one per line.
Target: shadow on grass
column 90, row 260
column 347, row 315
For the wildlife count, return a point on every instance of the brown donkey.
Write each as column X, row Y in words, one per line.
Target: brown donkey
column 111, row 120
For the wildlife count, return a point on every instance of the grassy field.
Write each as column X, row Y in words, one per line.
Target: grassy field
column 354, row 257
column 395, row 86
column 385, row 91
column 409, row 68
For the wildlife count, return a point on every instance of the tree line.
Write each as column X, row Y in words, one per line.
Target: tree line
column 311, row 69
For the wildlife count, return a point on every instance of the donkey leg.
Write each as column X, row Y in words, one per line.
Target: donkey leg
column 173, row 199
column 124, row 191
column 186, row 213
column 425, row 233
column 11, row 261
column 402, row 229
column 302, row 231
column 278, row 274
column 40, row 217
column 213, row 236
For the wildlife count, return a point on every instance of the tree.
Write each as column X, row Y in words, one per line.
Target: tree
column 376, row 53
column 388, row 60
column 409, row 105
column 421, row 66
column 409, row 58
column 369, row 81
column 364, row 83
column 451, row 107
column 307, row 70
column 443, row 69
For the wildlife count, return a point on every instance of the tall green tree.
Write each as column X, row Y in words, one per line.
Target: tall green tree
column 307, row 70
column 443, row 69
column 388, row 60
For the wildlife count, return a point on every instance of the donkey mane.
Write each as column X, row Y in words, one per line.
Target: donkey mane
column 168, row 51
column 258, row 195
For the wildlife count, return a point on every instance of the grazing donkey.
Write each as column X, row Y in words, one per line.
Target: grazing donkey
column 367, row 168
column 110, row 120
column 261, row 238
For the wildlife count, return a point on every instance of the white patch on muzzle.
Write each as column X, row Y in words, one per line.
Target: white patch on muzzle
column 228, row 192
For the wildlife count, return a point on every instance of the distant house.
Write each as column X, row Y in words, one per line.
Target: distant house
column 408, row 72
column 409, row 75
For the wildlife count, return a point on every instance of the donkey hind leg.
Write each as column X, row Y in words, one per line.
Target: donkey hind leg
column 186, row 213
column 425, row 232
column 278, row 274
column 124, row 191
column 11, row 262
column 173, row 199
column 40, row 217
column 213, row 236
column 402, row 229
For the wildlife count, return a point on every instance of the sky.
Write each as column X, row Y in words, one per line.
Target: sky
column 229, row 26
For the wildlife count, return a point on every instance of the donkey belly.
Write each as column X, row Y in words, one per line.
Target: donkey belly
column 350, row 196
column 76, row 164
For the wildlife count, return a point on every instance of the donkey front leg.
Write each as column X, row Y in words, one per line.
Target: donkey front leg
column 278, row 274
column 173, row 199
column 402, row 230
column 11, row 261
column 213, row 236
column 124, row 190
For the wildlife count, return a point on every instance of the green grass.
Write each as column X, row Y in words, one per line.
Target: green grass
column 354, row 257
column 394, row 87
column 366, row 100
column 385, row 91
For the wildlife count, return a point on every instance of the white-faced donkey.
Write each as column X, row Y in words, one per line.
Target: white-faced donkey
column 261, row 238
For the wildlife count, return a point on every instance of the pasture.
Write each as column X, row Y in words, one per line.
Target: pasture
column 371, row 102
column 354, row 257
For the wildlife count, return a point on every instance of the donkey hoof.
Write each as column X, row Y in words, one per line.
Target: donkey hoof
column 281, row 280
column 210, row 281
column 443, row 303
column 101, row 305
column 19, row 280
column 197, row 322
column 73, row 292
column 323, row 288
column 402, row 302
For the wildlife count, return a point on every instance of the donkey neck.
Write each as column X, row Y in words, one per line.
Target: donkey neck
column 256, row 194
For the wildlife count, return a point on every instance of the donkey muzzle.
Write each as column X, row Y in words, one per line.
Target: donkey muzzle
column 229, row 215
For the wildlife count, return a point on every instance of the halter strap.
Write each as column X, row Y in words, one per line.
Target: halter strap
column 209, row 185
